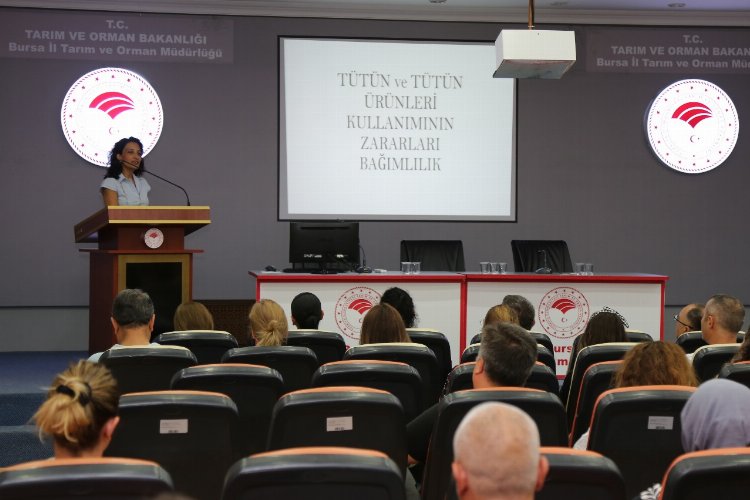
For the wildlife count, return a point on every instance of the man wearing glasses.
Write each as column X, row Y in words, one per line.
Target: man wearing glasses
column 688, row 319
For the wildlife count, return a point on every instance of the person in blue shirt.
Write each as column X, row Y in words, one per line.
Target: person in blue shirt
column 123, row 183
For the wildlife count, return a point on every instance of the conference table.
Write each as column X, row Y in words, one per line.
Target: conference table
column 455, row 303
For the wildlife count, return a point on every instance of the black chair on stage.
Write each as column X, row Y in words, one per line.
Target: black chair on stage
column 532, row 255
column 435, row 255
column 146, row 368
column 84, row 478
column 295, row 364
column 639, row 428
column 400, row 379
column 207, row 345
column 709, row 359
column 327, row 346
column 315, row 473
column 691, row 341
column 189, row 433
column 543, row 407
column 718, row 473
column 580, row 474
column 253, row 388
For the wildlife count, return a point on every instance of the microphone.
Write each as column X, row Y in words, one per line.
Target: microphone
column 545, row 269
column 363, row 268
column 159, row 177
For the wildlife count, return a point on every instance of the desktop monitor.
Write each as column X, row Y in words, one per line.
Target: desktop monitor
column 327, row 244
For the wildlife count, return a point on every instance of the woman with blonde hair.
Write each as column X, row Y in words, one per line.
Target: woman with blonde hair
column 650, row 363
column 268, row 325
column 80, row 412
column 192, row 316
column 383, row 323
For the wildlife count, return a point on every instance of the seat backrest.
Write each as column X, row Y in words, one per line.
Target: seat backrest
column 543, row 407
column 254, row 390
column 541, row 338
column 690, row 341
column 417, row 355
column 435, row 255
column 327, row 346
column 139, row 369
column 639, row 428
column 739, row 372
column 295, row 364
column 357, row 417
column 596, row 380
column 580, row 474
column 638, row 336
column 207, row 345
column 543, row 378
column 709, row 359
column 92, row 478
column 400, row 379
column 470, row 353
column 719, row 473
column 189, row 433
column 545, row 356
column 460, row 378
column 611, row 351
column 315, row 473
column 528, row 255
column 438, row 344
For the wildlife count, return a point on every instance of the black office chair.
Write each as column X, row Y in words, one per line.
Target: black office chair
column 84, row 478
column 146, row 368
column 435, row 255
column 739, row 372
column 532, row 255
column 315, row 473
column 327, row 346
column 596, row 380
column 580, row 474
column 207, row 345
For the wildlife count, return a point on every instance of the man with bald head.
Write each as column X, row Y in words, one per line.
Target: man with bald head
column 722, row 319
column 496, row 450
column 688, row 319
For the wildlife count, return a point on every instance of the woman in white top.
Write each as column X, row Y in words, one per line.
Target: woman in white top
column 123, row 183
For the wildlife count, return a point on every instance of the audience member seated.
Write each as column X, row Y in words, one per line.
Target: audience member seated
column 403, row 303
column 715, row 416
column 650, row 363
column 306, row 311
column 722, row 319
column 506, row 356
column 524, row 310
column 192, row 316
column 688, row 319
column 132, row 320
column 383, row 324
column 268, row 325
column 496, row 454
column 501, row 312
column 603, row 327
column 80, row 412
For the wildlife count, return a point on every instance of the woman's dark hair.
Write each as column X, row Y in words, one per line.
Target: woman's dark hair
column 403, row 303
column 603, row 327
column 382, row 324
column 115, row 167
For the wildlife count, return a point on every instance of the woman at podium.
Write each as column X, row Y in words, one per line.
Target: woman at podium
column 123, row 183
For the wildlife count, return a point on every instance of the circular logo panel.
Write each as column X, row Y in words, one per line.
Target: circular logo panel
column 104, row 106
column 352, row 307
column 563, row 312
column 692, row 126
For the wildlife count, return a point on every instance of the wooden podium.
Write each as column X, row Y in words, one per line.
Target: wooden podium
column 123, row 260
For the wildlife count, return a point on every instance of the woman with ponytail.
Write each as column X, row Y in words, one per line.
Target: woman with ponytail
column 268, row 325
column 80, row 412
